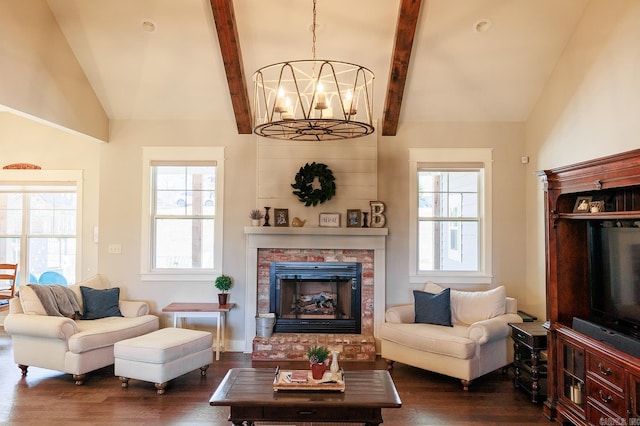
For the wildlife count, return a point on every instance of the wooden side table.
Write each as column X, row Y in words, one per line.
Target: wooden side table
column 201, row 310
column 530, row 363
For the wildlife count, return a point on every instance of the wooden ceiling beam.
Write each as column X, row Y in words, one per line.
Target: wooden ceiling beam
column 225, row 21
column 405, row 32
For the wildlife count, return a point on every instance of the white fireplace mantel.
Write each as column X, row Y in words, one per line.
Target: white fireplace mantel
column 312, row 238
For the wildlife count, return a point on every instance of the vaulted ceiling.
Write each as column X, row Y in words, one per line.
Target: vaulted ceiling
column 470, row 60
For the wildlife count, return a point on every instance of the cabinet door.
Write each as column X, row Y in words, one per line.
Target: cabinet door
column 572, row 374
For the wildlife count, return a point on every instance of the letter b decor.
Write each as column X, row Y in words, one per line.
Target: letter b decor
column 378, row 219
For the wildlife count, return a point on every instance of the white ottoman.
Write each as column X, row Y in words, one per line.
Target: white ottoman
column 163, row 355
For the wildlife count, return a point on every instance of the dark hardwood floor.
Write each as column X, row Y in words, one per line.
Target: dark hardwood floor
column 46, row 397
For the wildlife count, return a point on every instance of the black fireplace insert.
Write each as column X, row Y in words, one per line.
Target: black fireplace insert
column 316, row 297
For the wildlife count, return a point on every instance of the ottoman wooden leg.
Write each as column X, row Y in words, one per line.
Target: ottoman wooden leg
column 124, row 381
column 203, row 370
column 24, row 369
column 161, row 387
column 79, row 378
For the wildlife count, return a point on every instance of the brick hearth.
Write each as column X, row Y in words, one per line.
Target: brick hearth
column 293, row 346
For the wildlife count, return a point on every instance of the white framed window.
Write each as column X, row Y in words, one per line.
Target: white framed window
column 41, row 223
column 450, row 227
column 182, row 213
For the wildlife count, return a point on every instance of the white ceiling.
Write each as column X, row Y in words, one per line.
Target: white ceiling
column 455, row 74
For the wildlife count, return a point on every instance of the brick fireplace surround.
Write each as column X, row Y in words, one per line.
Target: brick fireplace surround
column 363, row 245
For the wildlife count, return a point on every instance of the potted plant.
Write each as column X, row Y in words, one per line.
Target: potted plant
column 223, row 283
column 255, row 216
column 318, row 359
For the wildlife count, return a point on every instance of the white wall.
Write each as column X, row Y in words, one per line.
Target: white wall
column 113, row 185
column 121, row 210
column 41, row 77
column 589, row 109
column 507, row 141
column 352, row 162
column 26, row 141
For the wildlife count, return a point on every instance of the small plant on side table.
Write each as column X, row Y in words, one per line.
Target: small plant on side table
column 224, row 284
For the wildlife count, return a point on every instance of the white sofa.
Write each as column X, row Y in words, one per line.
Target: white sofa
column 72, row 346
column 476, row 344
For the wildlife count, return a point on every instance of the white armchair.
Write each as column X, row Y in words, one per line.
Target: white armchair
column 72, row 346
column 476, row 343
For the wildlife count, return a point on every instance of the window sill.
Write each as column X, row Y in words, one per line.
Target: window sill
column 452, row 278
column 191, row 276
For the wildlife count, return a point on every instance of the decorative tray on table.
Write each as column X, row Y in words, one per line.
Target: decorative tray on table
column 302, row 380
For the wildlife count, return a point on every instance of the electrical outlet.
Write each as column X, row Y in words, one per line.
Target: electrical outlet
column 115, row 249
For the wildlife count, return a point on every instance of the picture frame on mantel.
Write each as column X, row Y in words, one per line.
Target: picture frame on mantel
column 281, row 217
column 354, row 218
column 329, row 220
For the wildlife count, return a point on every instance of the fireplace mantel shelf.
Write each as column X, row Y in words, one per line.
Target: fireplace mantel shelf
column 310, row 230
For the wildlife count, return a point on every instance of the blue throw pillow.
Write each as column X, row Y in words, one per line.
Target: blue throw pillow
column 100, row 303
column 433, row 308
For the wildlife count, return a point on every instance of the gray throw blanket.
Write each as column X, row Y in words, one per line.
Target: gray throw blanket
column 57, row 300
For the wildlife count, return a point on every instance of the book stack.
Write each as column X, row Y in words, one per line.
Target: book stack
column 299, row 376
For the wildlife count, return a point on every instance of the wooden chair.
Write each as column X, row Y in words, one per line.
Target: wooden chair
column 7, row 280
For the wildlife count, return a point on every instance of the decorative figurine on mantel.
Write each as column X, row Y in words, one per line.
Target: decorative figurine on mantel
column 378, row 218
column 266, row 216
column 365, row 223
column 297, row 222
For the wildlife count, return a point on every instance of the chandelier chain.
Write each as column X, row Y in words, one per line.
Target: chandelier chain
column 313, row 31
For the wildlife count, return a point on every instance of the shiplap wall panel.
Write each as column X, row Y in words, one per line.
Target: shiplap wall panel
column 355, row 192
column 354, row 164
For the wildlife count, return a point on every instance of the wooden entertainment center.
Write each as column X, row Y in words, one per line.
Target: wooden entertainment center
column 589, row 382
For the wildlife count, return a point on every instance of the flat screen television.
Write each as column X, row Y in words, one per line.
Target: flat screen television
column 614, row 275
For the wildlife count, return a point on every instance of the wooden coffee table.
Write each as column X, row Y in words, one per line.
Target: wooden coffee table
column 249, row 392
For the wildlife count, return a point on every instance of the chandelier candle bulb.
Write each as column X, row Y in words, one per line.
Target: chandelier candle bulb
column 348, row 108
column 321, row 100
column 280, row 106
column 347, row 104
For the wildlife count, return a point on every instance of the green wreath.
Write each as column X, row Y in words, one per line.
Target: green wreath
column 303, row 185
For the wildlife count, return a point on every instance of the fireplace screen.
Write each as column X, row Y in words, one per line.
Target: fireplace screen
column 316, row 297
